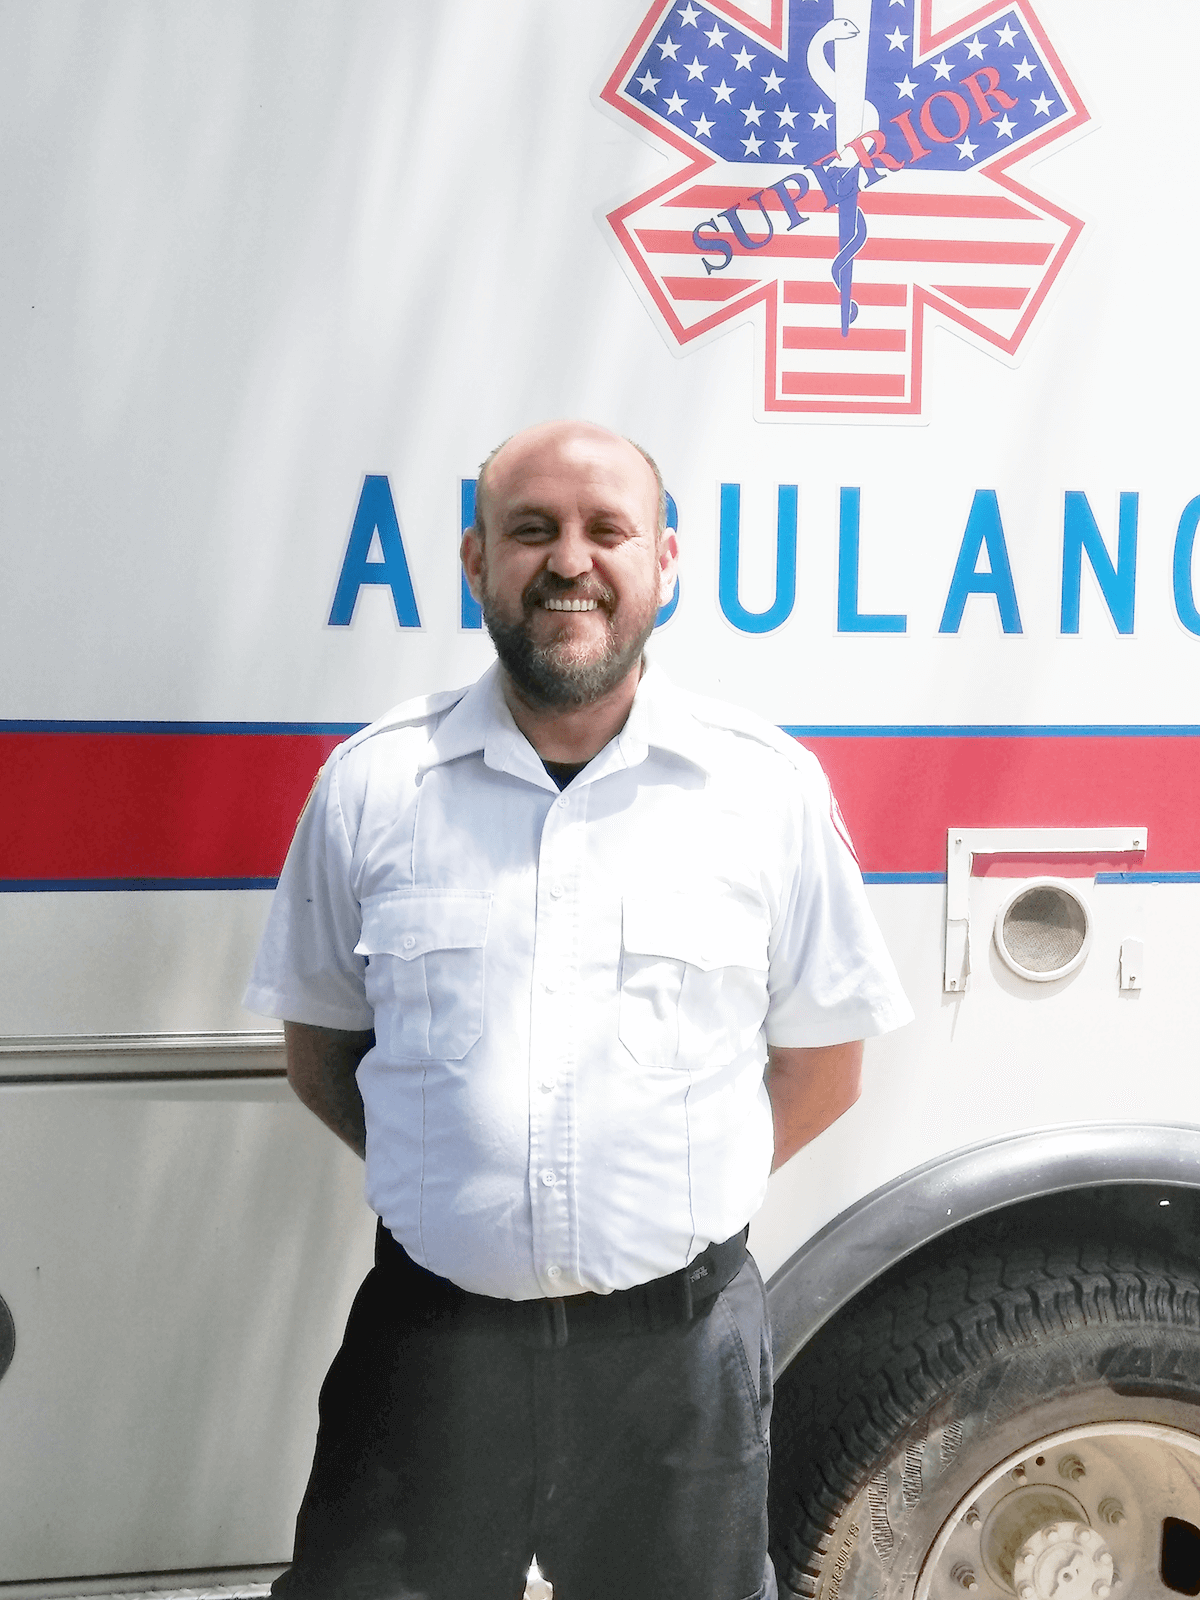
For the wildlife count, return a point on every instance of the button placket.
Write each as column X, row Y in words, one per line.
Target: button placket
column 553, row 1019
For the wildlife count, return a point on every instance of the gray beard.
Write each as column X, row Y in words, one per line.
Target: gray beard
column 543, row 679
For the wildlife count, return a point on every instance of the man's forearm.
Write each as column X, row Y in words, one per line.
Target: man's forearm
column 321, row 1066
column 810, row 1089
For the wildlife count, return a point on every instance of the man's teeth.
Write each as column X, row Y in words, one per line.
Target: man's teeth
column 570, row 605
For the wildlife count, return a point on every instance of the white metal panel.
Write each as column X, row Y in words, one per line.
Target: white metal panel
column 1006, row 1054
column 120, row 961
column 179, row 1260
column 252, row 257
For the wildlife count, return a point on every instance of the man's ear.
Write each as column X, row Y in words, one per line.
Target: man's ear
column 668, row 566
column 471, row 554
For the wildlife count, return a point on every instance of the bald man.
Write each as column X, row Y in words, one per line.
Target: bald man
column 571, row 958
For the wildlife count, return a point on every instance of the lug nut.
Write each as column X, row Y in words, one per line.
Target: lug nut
column 1112, row 1511
column 1019, row 1474
column 1101, row 1590
column 1071, row 1468
column 971, row 1517
column 965, row 1577
column 1026, row 1592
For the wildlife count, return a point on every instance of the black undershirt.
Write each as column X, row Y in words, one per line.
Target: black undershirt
column 563, row 771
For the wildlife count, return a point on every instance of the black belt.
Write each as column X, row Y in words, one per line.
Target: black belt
column 677, row 1298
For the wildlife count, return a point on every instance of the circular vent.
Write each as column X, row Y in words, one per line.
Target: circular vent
column 1043, row 930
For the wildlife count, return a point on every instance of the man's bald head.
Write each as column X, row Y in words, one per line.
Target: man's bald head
column 570, row 560
column 543, row 436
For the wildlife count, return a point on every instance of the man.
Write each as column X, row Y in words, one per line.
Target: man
column 534, row 943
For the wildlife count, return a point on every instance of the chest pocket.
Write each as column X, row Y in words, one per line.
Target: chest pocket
column 425, row 971
column 693, row 979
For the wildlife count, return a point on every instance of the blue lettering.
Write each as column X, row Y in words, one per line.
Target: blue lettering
column 983, row 528
column 729, row 561
column 717, row 244
column 1117, row 585
column 1185, row 543
column 470, row 613
column 665, row 613
column 838, row 186
column 740, row 234
column 849, row 618
column 376, row 513
column 800, row 179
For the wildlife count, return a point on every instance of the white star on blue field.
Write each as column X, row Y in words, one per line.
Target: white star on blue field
column 729, row 93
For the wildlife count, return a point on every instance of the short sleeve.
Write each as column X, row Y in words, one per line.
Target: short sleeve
column 306, row 969
column 831, row 977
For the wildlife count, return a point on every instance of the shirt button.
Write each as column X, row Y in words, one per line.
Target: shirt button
column 547, row 1084
column 409, row 941
column 556, row 890
column 554, row 1272
column 550, row 983
column 562, row 802
column 549, row 1179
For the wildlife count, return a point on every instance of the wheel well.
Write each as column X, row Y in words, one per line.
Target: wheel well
column 957, row 1377
column 958, row 1188
column 1154, row 1216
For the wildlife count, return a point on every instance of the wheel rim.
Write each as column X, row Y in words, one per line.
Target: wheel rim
column 1105, row 1508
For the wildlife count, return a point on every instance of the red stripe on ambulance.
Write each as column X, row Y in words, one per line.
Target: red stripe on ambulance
column 87, row 806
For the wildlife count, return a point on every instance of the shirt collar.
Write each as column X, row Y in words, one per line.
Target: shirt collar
column 661, row 719
column 481, row 722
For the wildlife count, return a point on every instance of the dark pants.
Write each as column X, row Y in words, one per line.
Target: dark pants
column 459, row 1435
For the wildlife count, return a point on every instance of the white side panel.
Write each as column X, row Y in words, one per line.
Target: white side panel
column 1007, row 1054
column 178, row 1261
column 173, row 960
column 256, row 252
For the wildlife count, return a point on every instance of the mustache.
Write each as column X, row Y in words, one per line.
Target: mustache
column 549, row 586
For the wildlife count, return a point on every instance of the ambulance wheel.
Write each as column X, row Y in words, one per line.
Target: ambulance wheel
column 1024, row 1424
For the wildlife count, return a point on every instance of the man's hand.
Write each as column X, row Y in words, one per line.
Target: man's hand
column 809, row 1089
column 321, row 1063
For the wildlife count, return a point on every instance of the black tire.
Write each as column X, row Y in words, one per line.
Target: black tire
column 942, row 1371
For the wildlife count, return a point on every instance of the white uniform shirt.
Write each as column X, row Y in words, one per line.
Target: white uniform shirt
column 572, row 994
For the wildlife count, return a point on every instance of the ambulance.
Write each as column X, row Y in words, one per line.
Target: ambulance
column 901, row 294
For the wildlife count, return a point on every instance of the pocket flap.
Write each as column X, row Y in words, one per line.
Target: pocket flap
column 705, row 931
column 409, row 923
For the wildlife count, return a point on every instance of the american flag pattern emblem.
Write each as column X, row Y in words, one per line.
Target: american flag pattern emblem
column 840, row 173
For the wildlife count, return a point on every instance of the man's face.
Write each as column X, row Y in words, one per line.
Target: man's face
column 570, row 574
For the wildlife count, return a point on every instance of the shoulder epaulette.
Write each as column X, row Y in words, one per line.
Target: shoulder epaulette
column 408, row 714
column 728, row 718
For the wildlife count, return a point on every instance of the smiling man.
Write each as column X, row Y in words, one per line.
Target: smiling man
column 573, row 958
column 578, row 567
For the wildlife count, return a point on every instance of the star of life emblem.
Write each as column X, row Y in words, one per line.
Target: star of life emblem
column 846, row 171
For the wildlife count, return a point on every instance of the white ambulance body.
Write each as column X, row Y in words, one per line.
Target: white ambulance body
column 276, row 278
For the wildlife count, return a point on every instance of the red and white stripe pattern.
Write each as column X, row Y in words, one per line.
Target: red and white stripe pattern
column 88, row 808
column 980, row 254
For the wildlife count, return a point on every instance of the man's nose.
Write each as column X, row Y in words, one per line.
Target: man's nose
column 570, row 554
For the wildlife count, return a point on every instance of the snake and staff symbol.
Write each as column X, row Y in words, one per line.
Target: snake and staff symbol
column 845, row 83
